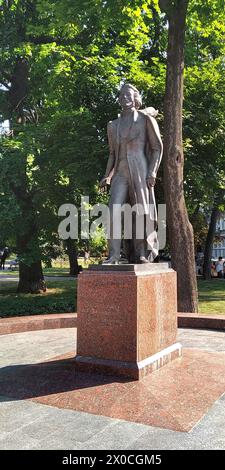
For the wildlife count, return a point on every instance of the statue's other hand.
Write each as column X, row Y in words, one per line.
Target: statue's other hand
column 150, row 182
column 103, row 184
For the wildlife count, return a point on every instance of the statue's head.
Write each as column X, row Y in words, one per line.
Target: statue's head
column 129, row 97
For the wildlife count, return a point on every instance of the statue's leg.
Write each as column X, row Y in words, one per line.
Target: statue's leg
column 139, row 230
column 119, row 194
column 140, row 248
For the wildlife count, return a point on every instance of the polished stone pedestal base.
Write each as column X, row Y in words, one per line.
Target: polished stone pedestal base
column 133, row 370
column 127, row 319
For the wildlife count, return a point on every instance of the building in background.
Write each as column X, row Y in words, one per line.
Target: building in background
column 219, row 244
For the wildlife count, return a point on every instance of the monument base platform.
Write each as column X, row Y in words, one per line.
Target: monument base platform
column 127, row 319
column 130, row 370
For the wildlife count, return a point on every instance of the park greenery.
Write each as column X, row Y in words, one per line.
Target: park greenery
column 61, row 65
column 61, row 297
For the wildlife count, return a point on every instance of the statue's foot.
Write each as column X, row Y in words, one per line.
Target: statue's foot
column 111, row 260
column 144, row 260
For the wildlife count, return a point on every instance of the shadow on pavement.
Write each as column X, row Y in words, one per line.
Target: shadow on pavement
column 36, row 380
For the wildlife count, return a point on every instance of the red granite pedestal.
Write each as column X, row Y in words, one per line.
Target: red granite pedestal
column 127, row 319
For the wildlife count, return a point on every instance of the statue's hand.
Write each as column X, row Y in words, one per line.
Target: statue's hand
column 150, row 182
column 103, row 184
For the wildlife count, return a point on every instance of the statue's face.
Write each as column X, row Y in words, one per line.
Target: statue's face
column 127, row 98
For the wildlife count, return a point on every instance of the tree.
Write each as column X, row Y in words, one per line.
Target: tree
column 204, row 118
column 13, row 17
column 180, row 229
column 61, row 64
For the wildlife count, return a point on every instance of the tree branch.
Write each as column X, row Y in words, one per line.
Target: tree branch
column 48, row 40
column 165, row 5
column 169, row 6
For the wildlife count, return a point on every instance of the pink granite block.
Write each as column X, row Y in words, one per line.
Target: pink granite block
column 124, row 318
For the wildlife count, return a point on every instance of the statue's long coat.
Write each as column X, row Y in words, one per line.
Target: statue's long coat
column 144, row 153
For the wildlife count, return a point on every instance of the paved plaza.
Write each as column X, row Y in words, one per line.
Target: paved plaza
column 28, row 424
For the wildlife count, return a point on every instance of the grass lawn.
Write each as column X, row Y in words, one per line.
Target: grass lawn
column 46, row 271
column 211, row 296
column 61, row 297
column 56, row 272
column 58, row 269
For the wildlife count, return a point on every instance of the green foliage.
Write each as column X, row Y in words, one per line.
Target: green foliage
column 78, row 53
column 60, row 297
column 204, row 104
column 98, row 242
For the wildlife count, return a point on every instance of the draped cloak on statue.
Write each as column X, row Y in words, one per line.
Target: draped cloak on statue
column 143, row 152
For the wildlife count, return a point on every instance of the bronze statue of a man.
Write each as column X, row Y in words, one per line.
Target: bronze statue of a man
column 135, row 154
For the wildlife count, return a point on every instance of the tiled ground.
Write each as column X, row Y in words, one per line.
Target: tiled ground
column 171, row 398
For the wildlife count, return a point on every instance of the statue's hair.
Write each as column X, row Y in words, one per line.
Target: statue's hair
column 137, row 96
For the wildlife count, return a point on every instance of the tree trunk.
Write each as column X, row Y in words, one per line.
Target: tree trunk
column 180, row 230
column 19, row 88
column 209, row 243
column 31, row 279
column 72, row 254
